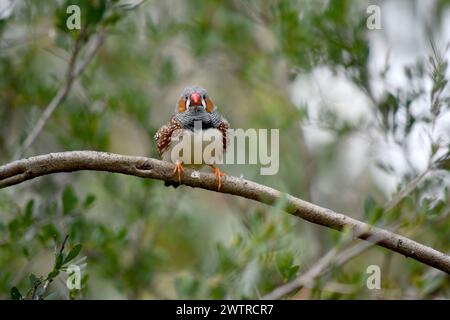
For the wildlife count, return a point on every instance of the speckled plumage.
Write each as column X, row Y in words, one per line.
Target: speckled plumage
column 164, row 135
column 186, row 116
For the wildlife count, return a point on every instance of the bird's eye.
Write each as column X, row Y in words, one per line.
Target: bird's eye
column 185, row 97
column 204, row 97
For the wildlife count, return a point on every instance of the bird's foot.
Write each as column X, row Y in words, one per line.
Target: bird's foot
column 178, row 170
column 219, row 174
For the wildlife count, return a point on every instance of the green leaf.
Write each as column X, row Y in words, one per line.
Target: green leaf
column 49, row 231
column 226, row 258
column 26, row 252
column 59, row 260
column 112, row 18
column 73, row 294
column 186, row 286
column 14, row 229
column 285, row 265
column 73, row 253
column 53, row 274
column 84, row 280
column 28, row 214
column 69, row 200
column 218, row 291
column 90, row 199
column 292, row 272
column 284, row 260
column 444, row 164
column 369, row 206
column 372, row 212
column 15, row 294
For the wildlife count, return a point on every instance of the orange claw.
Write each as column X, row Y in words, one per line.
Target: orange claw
column 219, row 174
column 178, row 169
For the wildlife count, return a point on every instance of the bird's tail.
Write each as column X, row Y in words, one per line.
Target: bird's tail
column 173, row 184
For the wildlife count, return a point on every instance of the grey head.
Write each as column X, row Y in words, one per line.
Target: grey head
column 195, row 109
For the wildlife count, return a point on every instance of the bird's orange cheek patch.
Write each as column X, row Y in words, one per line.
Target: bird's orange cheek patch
column 209, row 105
column 181, row 105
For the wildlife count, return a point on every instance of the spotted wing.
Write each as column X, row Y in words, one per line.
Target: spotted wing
column 164, row 134
column 223, row 127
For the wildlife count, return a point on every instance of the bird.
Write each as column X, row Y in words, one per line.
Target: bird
column 194, row 114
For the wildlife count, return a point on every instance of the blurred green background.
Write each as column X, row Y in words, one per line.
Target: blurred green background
column 362, row 113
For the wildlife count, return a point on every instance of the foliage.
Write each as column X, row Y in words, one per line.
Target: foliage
column 136, row 238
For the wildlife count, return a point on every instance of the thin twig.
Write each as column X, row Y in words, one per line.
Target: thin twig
column 331, row 259
column 304, row 279
column 324, row 265
column 73, row 72
column 406, row 190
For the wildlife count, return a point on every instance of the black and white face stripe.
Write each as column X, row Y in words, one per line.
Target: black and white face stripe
column 204, row 102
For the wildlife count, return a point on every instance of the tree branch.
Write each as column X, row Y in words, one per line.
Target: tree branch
column 333, row 259
column 27, row 169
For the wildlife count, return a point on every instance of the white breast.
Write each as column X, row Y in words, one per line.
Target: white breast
column 195, row 149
